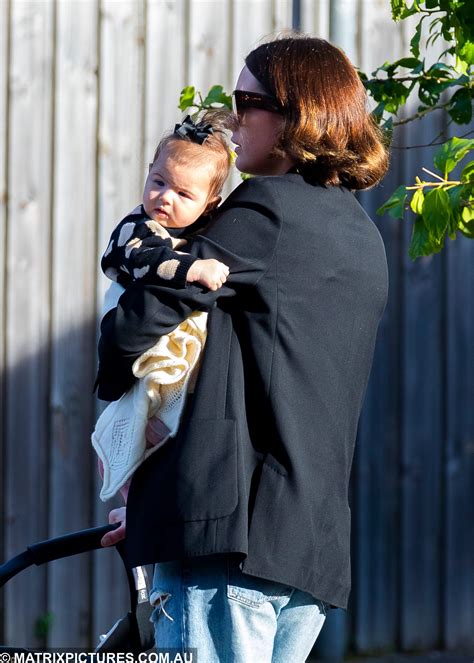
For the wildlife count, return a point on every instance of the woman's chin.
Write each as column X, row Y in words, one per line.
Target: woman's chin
column 238, row 160
column 244, row 165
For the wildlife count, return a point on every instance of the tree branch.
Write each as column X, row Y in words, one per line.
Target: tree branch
column 413, row 147
column 433, row 142
column 421, row 114
column 404, row 79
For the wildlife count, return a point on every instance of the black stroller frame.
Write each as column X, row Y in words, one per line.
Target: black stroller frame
column 134, row 632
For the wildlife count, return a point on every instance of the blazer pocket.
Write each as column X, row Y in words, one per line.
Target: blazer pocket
column 200, row 480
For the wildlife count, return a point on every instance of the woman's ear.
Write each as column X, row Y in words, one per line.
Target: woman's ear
column 212, row 204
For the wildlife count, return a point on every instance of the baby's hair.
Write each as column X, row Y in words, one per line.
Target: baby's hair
column 216, row 147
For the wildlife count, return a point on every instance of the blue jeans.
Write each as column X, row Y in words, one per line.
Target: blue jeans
column 208, row 604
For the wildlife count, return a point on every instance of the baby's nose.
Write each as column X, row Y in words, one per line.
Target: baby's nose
column 166, row 195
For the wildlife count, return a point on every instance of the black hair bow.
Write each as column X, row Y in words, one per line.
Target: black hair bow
column 195, row 132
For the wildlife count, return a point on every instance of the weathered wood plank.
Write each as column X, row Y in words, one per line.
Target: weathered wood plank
column 315, row 18
column 267, row 16
column 246, row 34
column 121, row 79
column 375, row 598
column 28, row 307
column 4, row 69
column 422, row 427
column 379, row 39
column 282, row 15
column 120, row 176
column 165, row 43
column 73, row 313
column 375, row 486
column 458, row 606
column 210, row 36
column 207, row 53
column 372, row 610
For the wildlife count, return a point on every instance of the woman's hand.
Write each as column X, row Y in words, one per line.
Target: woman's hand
column 115, row 516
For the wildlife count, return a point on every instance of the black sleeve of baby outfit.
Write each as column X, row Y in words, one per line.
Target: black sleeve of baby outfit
column 136, row 252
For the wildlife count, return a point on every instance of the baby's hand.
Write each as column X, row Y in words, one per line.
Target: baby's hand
column 210, row 273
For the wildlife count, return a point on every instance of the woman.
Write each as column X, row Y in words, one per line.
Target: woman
column 246, row 513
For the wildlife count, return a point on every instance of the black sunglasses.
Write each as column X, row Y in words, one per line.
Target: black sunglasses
column 242, row 100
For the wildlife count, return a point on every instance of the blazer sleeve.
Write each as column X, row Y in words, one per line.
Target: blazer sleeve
column 244, row 235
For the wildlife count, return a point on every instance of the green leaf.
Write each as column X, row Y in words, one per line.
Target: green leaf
column 436, row 213
column 43, row 625
column 378, row 111
column 398, row 7
column 445, row 5
column 388, row 129
column 216, row 95
column 467, row 174
column 455, row 196
column 387, row 66
column 451, row 152
column 467, row 229
column 460, row 108
column 432, row 4
column 395, row 94
column 430, row 90
column 395, row 205
column 420, row 244
column 415, row 40
column 466, row 52
column 453, row 226
column 408, row 63
column 439, row 67
column 186, row 99
column 467, row 213
column 461, row 66
column 400, row 10
column 416, row 203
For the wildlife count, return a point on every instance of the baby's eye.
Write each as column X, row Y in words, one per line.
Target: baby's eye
column 184, row 194
column 159, row 182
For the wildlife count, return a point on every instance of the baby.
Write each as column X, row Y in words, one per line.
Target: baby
column 183, row 185
column 184, row 181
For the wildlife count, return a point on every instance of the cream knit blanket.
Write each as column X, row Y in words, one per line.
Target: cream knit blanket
column 166, row 373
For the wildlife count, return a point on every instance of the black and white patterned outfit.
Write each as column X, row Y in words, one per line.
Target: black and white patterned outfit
column 142, row 249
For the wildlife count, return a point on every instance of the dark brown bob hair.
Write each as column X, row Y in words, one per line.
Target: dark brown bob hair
column 328, row 130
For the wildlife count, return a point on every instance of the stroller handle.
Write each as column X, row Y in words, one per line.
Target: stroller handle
column 62, row 546
column 70, row 544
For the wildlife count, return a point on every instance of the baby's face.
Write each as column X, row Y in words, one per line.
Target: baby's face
column 176, row 194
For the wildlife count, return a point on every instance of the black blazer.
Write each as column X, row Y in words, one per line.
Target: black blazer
column 261, row 464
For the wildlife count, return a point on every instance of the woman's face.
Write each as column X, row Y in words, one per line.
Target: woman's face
column 257, row 134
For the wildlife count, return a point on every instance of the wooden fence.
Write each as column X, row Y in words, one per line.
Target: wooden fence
column 86, row 89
